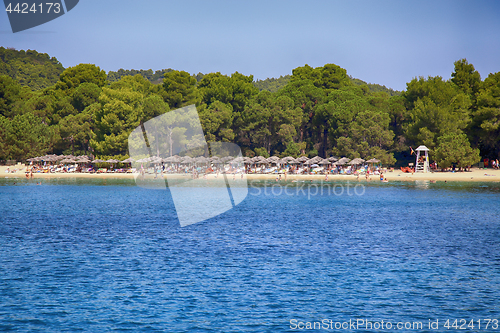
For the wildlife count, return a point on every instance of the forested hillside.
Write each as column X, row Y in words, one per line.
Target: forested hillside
column 316, row 111
column 153, row 77
column 30, row 68
column 375, row 87
column 272, row 84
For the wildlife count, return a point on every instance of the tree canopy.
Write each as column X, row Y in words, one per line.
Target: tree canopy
column 314, row 111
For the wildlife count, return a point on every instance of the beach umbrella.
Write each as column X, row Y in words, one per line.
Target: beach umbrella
column 302, row 159
column 373, row 160
column 97, row 161
column 247, row 160
column 342, row 161
column 239, row 159
column 325, row 162
column 273, row 159
column 128, row 160
column 201, row 159
column 259, row 159
column 333, row 159
column 186, row 160
column 155, row 159
column 356, row 161
column 112, row 161
column 172, row 159
column 314, row 160
column 68, row 160
column 83, row 159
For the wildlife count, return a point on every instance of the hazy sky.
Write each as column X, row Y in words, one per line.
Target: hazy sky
column 384, row 42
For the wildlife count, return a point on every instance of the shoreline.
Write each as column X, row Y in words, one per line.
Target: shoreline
column 475, row 175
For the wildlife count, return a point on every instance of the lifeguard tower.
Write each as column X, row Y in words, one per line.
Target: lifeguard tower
column 422, row 164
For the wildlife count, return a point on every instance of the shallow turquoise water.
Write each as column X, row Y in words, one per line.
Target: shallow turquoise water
column 84, row 255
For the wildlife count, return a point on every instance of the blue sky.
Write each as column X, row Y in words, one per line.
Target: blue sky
column 384, row 42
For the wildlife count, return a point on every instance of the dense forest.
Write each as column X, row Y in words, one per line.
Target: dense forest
column 315, row 111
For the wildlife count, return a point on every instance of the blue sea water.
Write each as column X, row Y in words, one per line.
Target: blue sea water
column 106, row 255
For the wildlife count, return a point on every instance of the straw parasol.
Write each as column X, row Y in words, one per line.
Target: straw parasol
column 302, row 159
column 186, row 160
column 333, row 159
column 310, row 162
column 342, row 161
column 259, row 159
column 315, row 160
column 356, row 161
column 373, row 160
column 273, row 159
column 82, row 159
column 325, row 162
column 128, row 160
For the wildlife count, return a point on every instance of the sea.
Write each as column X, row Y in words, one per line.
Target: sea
column 104, row 255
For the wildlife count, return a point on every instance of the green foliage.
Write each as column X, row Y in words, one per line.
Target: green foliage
column 122, row 107
column 179, row 89
column 153, row 77
column 84, row 95
column 261, row 152
column 235, row 90
column 293, row 149
column 10, row 92
column 217, row 120
column 358, row 125
column 270, row 121
column 466, row 77
column 30, row 68
column 75, row 132
column 72, row 77
column 272, row 84
column 374, row 88
column 485, row 127
column 455, row 149
column 24, row 136
column 436, row 108
column 315, row 110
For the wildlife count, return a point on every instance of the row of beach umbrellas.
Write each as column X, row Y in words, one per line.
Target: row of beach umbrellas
column 215, row 160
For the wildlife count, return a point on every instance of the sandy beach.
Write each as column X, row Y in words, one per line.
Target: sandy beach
column 479, row 175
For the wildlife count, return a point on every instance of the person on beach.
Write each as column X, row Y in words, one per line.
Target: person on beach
column 326, row 177
column 381, row 176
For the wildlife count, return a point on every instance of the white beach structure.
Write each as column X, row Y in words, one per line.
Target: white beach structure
column 422, row 162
